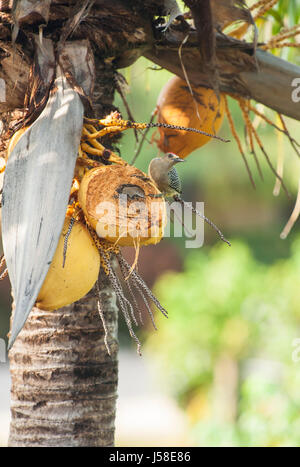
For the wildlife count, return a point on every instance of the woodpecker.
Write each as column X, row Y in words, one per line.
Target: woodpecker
column 163, row 173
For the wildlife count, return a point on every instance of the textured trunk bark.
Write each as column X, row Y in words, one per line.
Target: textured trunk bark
column 64, row 384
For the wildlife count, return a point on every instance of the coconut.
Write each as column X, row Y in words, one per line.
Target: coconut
column 176, row 106
column 122, row 205
column 70, row 280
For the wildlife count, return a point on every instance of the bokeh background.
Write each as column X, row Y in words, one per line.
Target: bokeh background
column 224, row 369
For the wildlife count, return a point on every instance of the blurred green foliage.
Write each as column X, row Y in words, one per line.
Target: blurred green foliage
column 226, row 304
column 284, row 14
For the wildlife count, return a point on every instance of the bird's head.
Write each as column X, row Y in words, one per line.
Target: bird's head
column 173, row 158
column 159, row 167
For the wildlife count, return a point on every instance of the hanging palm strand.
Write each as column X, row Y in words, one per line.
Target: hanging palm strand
column 294, row 216
column 238, row 141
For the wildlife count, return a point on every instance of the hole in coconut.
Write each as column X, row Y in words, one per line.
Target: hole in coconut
column 130, row 190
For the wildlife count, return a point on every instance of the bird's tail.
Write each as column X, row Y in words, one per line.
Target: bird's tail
column 198, row 213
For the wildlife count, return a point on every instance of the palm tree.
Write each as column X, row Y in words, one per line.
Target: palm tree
column 64, row 383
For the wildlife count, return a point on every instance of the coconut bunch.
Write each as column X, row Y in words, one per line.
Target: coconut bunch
column 100, row 217
column 52, row 251
column 76, row 212
column 103, row 206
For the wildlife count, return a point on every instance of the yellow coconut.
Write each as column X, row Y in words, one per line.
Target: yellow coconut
column 122, row 205
column 65, row 285
column 176, row 106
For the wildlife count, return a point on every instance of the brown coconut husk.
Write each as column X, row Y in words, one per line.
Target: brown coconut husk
column 177, row 106
column 121, row 223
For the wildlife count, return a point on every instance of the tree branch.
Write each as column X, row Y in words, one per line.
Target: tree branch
column 122, row 33
column 267, row 79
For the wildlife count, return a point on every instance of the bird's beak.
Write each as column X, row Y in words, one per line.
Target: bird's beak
column 179, row 160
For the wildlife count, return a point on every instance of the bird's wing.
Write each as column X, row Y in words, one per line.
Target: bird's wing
column 174, row 180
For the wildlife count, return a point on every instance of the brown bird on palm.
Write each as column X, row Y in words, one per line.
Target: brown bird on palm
column 163, row 173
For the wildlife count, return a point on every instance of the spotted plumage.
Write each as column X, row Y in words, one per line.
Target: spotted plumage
column 174, row 180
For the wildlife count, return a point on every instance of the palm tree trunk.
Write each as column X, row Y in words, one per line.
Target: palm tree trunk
column 64, row 383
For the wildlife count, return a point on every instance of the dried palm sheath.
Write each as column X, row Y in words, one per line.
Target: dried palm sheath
column 36, row 189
